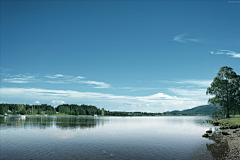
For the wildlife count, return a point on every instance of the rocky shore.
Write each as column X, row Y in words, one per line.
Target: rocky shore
column 233, row 141
column 227, row 138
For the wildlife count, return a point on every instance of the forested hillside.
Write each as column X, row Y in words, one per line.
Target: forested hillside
column 199, row 110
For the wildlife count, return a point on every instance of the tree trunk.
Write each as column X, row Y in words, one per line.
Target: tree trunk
column 227, row 114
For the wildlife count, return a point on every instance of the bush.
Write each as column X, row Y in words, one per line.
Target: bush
column 23, row 111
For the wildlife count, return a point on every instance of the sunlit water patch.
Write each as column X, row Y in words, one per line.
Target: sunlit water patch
column 44, row 137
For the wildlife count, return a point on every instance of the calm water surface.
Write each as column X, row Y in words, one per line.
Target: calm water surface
column 44, row 137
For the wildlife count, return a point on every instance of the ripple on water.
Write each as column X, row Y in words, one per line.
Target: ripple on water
column 104, row 138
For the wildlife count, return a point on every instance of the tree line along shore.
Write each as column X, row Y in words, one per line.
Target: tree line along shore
column 90, row 110
column 65, row 109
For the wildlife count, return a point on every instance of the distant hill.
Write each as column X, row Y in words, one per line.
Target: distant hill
column 204, row 110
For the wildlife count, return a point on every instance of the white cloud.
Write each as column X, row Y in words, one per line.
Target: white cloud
column 80, row 77
column 58, row 102
column 66, row 79
column 158, row 102
column 227, row 52
column 36, row 102
column 196, row 95
column 133, row 89
column 202, row 83
column 98, row 84
column 195, row 82
column 54, row 79
column 14, row 81
column 182, row 39
column 54, row 76
column 21, row 78
column 187, row 92
column 56, row 82
column 157, row 96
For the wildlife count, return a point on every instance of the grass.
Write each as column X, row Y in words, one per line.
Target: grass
column 229, row 122
column 237, row 116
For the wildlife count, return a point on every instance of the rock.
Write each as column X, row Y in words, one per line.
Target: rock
column 225, row 133
column 205, row 135
column 209, row 131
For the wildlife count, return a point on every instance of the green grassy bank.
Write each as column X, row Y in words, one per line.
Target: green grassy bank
column 231, row 123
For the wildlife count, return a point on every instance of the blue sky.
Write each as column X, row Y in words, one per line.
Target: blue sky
column 148, row 56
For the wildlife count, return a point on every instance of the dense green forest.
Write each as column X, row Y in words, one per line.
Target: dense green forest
column 26, row 109
column 73, row 109
column 43, row 109
column 68, row 109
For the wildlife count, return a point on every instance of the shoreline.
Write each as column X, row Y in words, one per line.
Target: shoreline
column 227, row 139
column 233, row 141
column 61, row 115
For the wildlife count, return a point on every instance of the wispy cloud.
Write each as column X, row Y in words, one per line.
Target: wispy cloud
column 227, row 52
column 183, row 39
column 188, row 92
column 3, row 70
column 96, row 84
column 133, row 89
column 80, row 77
column 54, row 76
column 54, row 79
column 60, row 79
column 56, row 82
column 202, row 83
column 194, row 82
column 158, row 102
column 21, row 78
column 198, row 96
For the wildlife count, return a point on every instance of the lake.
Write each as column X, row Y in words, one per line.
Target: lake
column 47, row 137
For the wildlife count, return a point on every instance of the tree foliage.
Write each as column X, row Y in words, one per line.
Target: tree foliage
column 225, row 88
column 27, row 109
column 74, row 109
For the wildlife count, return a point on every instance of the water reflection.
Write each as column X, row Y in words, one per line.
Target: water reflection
column 74, row 123
column 219, row 149
column 46, row 137
column 43, row 122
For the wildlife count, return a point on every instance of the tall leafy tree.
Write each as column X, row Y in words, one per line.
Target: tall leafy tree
column 102, row 112
column 236, row 98
column 224, row 89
